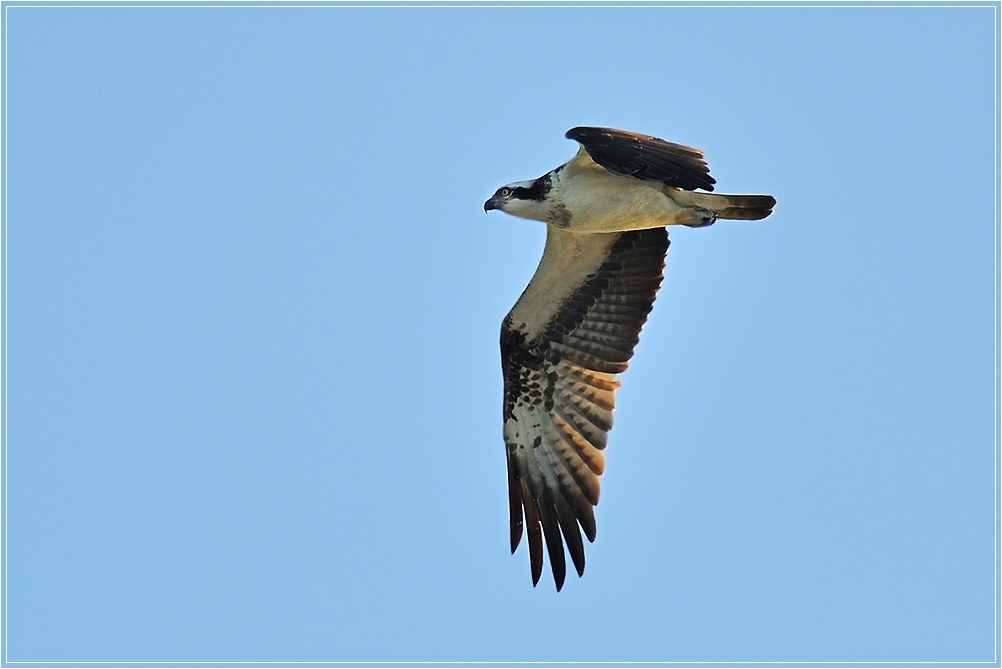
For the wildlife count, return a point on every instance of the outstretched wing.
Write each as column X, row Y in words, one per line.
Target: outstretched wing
column 644, row 157
column 560, row 361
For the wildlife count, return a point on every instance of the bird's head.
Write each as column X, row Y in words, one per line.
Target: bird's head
column 525, row 199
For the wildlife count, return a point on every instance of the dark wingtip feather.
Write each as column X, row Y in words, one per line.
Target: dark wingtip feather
column 587, row 521
column 535, row 534
column 572, row 535
column 554, row 545
column 516, row 534
column 514, row 501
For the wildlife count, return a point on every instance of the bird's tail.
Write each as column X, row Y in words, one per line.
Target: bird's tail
column 740, row 207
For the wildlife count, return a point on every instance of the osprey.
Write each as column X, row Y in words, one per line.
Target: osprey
column 576, row 324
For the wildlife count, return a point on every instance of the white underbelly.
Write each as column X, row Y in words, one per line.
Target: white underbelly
column 614, row 204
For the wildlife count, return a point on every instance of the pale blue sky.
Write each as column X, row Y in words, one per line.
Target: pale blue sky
column 252, row 313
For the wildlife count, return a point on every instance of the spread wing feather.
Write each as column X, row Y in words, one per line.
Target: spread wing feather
column 644, row 157
column 559, row 394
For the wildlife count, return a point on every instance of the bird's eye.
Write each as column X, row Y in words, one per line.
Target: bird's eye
column 505, row 192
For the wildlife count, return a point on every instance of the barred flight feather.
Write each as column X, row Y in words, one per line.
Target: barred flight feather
column 594, row 435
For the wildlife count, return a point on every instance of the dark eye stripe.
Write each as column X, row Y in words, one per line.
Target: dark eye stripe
column 537, row 191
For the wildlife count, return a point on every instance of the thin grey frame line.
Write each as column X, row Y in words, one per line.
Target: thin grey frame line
column 520, row 4
column 517, row 4
column 3, row 360
column 995, row 287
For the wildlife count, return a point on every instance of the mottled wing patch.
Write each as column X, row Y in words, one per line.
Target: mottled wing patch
column 644, row 157
column 559, row 394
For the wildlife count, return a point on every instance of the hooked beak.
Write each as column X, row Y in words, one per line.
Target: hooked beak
column 489, row 205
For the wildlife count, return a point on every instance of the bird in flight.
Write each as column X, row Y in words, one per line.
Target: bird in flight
column 576, row 324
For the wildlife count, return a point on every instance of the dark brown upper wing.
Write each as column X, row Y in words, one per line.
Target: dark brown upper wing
column 559, row 397
column 644, row 157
